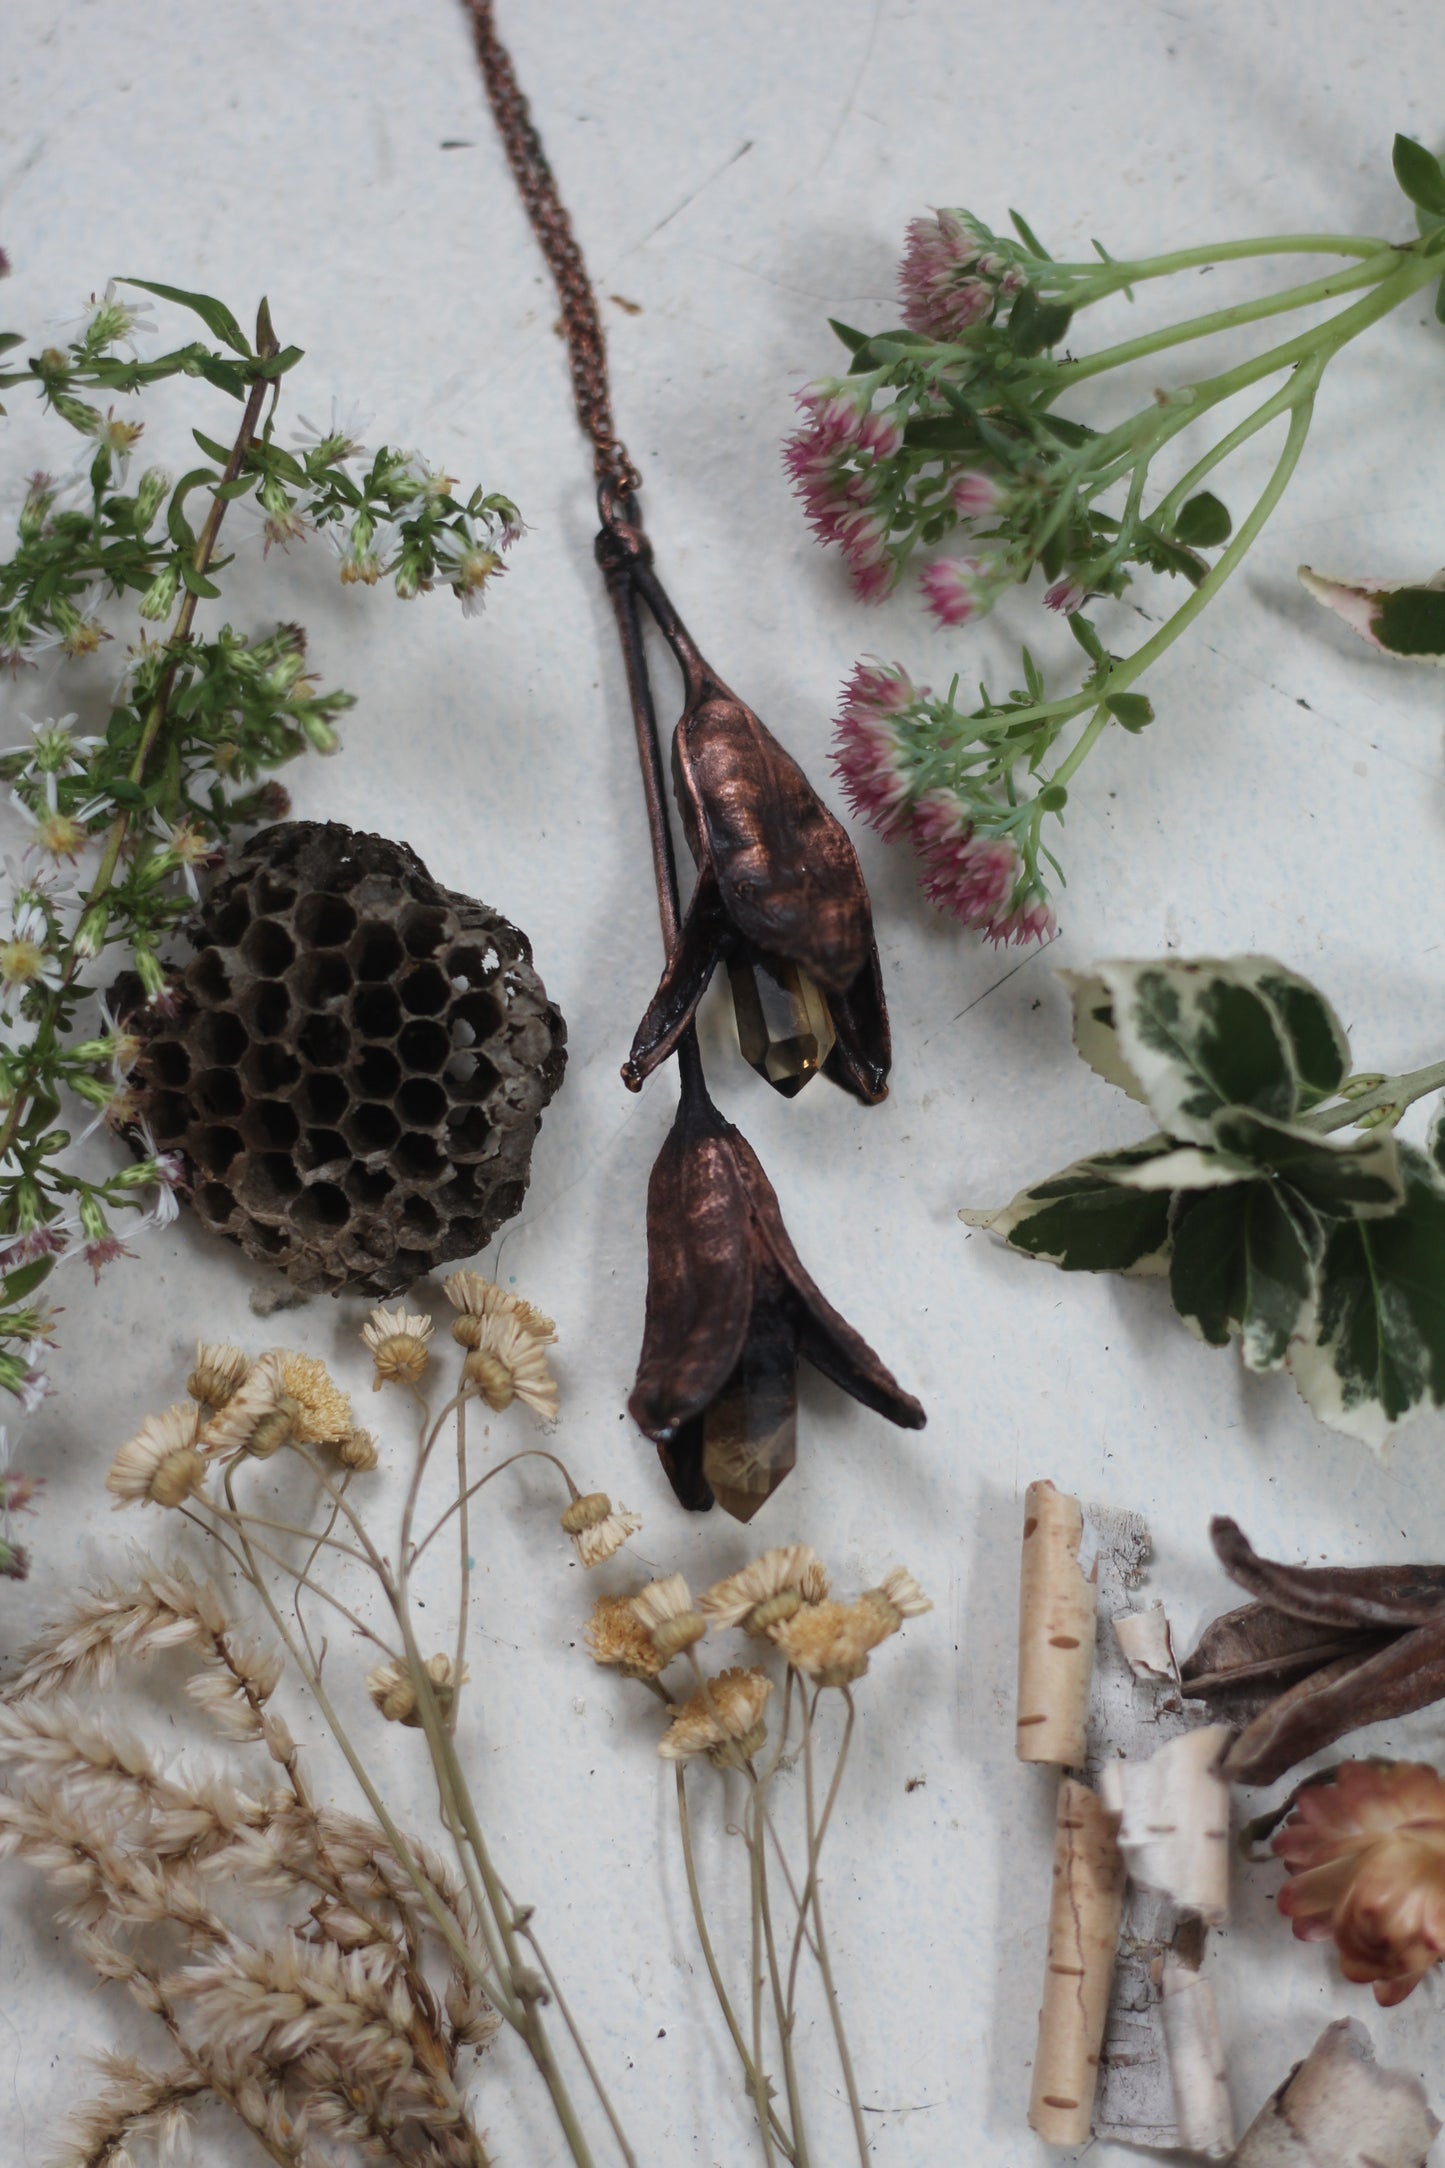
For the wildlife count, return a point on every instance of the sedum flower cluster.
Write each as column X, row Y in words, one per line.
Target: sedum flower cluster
column 120, row 814
column 942, row 456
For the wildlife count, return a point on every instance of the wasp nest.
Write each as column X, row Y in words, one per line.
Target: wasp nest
column 358, row 1062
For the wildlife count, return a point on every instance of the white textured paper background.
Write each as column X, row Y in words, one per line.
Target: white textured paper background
column 740, row 172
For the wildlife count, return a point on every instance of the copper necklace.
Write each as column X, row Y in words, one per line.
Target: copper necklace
column 780, row 901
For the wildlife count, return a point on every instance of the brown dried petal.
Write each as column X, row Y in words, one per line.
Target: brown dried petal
column 1358, row 1596
column 1407, row 1674
column 863, row 1050
column 693, row 960
column 787, row 875
column 1249, row 1653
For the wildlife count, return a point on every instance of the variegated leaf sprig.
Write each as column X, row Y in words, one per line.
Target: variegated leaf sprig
column 1322, row 1255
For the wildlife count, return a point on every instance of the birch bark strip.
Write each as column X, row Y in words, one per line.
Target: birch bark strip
column 1196, row 2062
column 1088, row 1894
column 1174, row 1820
column 1057, row 1607
column 1339, row 2109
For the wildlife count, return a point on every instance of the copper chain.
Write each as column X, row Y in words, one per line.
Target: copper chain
column 586, row 343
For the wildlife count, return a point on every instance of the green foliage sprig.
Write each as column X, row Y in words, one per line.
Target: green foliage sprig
column 951, row 427
column 1322, row 1255
column 192, row 730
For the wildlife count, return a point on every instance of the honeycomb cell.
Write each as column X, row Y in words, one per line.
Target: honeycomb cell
column 357, row 1065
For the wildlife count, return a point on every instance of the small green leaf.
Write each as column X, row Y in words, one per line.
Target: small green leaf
column 1341, row 1178
column 219, row 452
column 125, row 792
column 940, row 433
column 1053, row 798
column 196, row 583
column 1084, row 1220
column 851, row 339
column 1087, row 638
column 9, row 339
column 1035, row 325
column 177, row 525
column 1029, row 238
column 1070, row 433
column 1130, row 710
column 25, row 1279
column 1246, row 1260
column 1377, row 1351
column 1440, row 302
column 1420, row 175
column 1203, row 522
column 227, row 376
column 1200, row 1038
column 213, row 314
column 279, row 364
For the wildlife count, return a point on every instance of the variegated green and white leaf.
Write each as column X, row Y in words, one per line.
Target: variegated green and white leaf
column 1086, row 1219
column 1376, row 1354
column 1396, row 618
column 1200, row 1038
column 1317, row 1039
column 1094, row 1035
column 1188, row 1166
column 1341, row 1177
column 1246, row 1260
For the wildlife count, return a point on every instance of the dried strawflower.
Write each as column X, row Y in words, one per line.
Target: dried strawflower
column 616, row 1637
column 665, row 1608
column 723, row 1719
column 597, row 1527
column 507, row 1362
column 768, row 1591
column 323, row 1410
column 160, row 1465
column 476, row 1297
column 220, row 1371
column 1366, row 1858
column 257, row 1418
column 358, row 1452
column 393, row 1689
column 397, row 1340
column 830, row 1642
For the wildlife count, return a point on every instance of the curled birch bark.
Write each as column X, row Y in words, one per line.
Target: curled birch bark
column 1196, row 2061
column 1148, row 1645
column 1339, row 2109
column 1088, row 1894
column 1174, row 1820
column 1057, row 1603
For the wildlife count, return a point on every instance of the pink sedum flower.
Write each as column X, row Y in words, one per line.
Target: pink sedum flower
column 978, row 494
column 831, row 460
column 869, row 757
column 969, row 876
column 1066, row 596
column 950, row 276
column 956, row 590
column 1031, row 919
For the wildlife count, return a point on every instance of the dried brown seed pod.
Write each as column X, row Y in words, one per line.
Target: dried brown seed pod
column 357, row 1063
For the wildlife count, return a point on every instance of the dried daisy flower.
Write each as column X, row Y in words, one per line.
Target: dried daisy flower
column 220, row 1371
column 597, row 1527
column 358, row 1452
column 507, row 1362
column 723, row 1719
column 393, row 1689
column 830, row 1642
column 257, row 1418
column 901, row 1593
column 479, row 1298
column 768, row 1591
column 616, row 1637
column 1366, row 1859
column 323, row 1410
column 160, row 1465
column 665, row 1608
column 397, row 1340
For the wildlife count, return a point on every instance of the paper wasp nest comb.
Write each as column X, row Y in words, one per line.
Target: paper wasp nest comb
column 358, row 1065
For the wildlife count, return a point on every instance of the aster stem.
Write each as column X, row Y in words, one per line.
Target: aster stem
column 464, row 1567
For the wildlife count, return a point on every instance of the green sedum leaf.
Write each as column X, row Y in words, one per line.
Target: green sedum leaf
column 1420, row 175
column 1376, row 1353
column 1085, row 1219
column 1200, row 1038
column 1246, row 1261
column 1203, row 522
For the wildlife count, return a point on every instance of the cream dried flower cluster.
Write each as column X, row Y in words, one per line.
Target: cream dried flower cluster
column 314, row 1976
column 506, row 1341
column 782, row 1598
column 236, row 1406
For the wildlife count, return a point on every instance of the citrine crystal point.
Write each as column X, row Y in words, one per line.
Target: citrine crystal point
column 750, row 1444
column 785, row 1027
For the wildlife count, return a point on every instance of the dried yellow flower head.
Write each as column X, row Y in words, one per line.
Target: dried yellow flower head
column 723, row 1719
column 324, row 1416
column 616, row 1637
column 507, row 1363
column 398, row 1343
column 161, row 1465
column 393, row 1689
column 597, row 1527
column 771, row 1589
column 358, row 1452
column 665, row 1608
column 220, row 1371
column 477, row 1298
